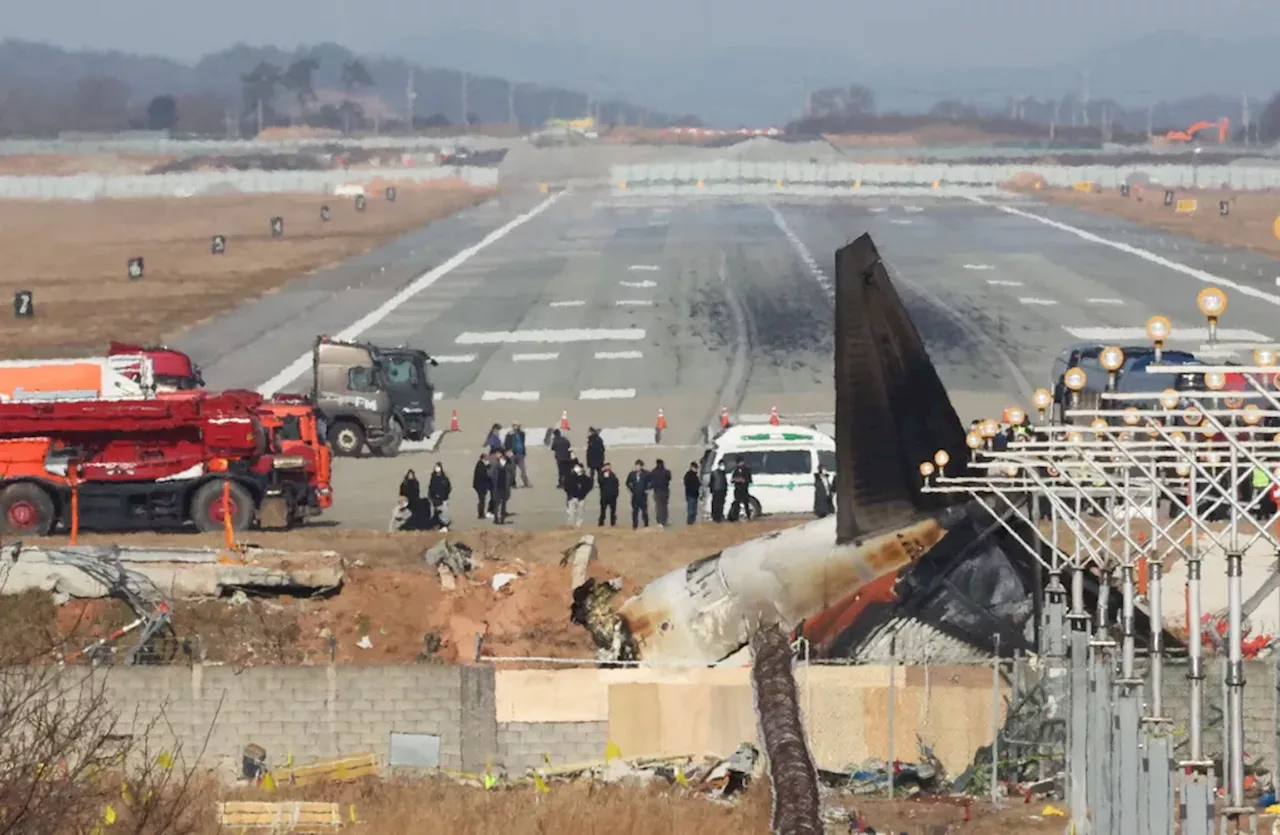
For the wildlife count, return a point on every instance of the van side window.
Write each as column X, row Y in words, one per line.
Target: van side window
column 360, row 379
column 777, row 461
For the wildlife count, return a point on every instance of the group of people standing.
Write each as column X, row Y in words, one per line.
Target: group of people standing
column 414, row 512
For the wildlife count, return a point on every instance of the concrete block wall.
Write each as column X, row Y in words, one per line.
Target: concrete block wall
column 523, row 744
column 308, row 712
column 1259, row 706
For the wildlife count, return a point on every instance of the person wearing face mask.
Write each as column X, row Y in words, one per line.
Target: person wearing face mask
column 608, row 495
column 577, row 487
column 718, row 484
column 480, row 483
column 638, row 485
column 438, row 490
column 410, row 488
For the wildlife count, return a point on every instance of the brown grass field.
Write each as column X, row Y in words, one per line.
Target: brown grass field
column 73, row 256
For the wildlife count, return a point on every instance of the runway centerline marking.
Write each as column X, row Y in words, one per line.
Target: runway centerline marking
column 454, row 358
column 1032, row 300
column 1105, row 301
column 802, row 251
column 607, row 394
column 509, row 395
column 573, row 303
column 619, row 355
column 295, row 369
column 978, row 267
column 535, row 357
column 641, row 284
column 634, row 303
column 1003, row 282
column 549, row 336
column 644, row 268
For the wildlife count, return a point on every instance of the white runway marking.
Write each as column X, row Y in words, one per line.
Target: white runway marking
column 1138, row 252
column 901, row 221
column 1043, row 302
column 549, row 336
column 642, row 284
column 1105, row 301
column 509, row 395
column 1178, row 334
column 634, row 303
column 452, row 358
column 978, row 267
column 1001, row 282
column 438, row 396
column 644, row 268
column 534, row 357
column 912, row 209
column 801, row 250
column 574, row 303
column 607, row 394
column 298, row 367
column 619, row 355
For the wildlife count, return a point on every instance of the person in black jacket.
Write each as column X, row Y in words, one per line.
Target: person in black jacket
column 410, row 488
column 480, row 483
column 514, row 443
column 608, row 495
column 499, row 487
column 595, row 453
column 823, row 490
column 576, row 490
column 718, row 484
column 638, row 485
column 660, row 484
column 692, row 487
column 741, row 480
column 561, row 449
column 438, row 489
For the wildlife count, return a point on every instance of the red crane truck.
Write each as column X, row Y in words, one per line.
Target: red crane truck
column 141, row 464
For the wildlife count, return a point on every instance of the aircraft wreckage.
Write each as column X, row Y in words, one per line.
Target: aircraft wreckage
column 927, row 571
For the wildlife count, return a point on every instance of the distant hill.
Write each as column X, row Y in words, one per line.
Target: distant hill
column 755, row 85
column 46, row 89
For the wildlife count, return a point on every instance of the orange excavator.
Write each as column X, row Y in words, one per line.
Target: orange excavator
column 1223, row 125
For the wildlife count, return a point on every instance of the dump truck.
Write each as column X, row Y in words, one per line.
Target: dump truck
column 372, row 396
column 142, row 464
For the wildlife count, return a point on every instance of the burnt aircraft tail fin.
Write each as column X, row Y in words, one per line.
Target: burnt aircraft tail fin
column 892, row 411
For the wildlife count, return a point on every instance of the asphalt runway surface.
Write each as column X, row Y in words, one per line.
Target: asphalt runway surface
column 606, row 310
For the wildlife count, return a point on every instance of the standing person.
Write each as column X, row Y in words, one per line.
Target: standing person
column 438, row 489
column 719, row 487
column 410, row 488
column 822, row 492
column 560, row 448
column 576, row 492
column 480, row 483
column 509, row 464
column 494, row 439
column 499, row 488
column 638, row 485
column 608, row 495
column 660, row 484
column 595, row 452
column 515, row 444
column 741, row 480
column 692, row 487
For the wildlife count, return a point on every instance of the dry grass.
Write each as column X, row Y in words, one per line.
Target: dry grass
column 74, row 256
column 1250, row 225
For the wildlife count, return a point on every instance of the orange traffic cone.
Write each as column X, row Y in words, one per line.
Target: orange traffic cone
column 724, row 417
column 773, row 416
column 564, row 421
column 453, row 421
column 662, row 420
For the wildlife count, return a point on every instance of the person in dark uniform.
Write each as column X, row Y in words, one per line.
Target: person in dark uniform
column 499, row 488
column 438, row 489
column 595, row 453
column 561, row 449
column 410, row 488
column 480, row 483
column 608, row 494
column 638, row 486
column 741, row 480
column 692, row 487
column 823, row 489
column 660, row 484
column 718, row 484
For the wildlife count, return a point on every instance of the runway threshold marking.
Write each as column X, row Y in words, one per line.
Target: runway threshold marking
column 1138, row 252
column 634, row 303
column 572, row 303
column 1042, row 302
column 549, row 336
column 1105, row 301
column 640, row 284
column 454, row 358
column 295, row 369
column 644, row 268
column 1003, row 282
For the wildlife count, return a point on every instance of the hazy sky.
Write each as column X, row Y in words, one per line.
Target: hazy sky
column 1000, row 32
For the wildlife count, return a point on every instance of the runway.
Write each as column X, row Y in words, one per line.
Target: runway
column 608, row 311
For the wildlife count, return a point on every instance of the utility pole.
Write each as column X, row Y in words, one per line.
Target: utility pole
column 1244, row 116
column 1053, row 123
column 511, row 102
column 409, row 97
column 1085, row 100
column 808, row 99
column 466, row 120
column 259, row 115
column 1150, row 121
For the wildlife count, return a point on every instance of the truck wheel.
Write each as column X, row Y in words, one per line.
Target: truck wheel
column 346, row 438
column 754, row 510
column 391, row 447
column 26, row 510
column 206, row 507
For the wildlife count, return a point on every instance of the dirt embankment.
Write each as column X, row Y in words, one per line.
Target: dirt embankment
column 1252, row 221
column 74, row 258
column 394, row 601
